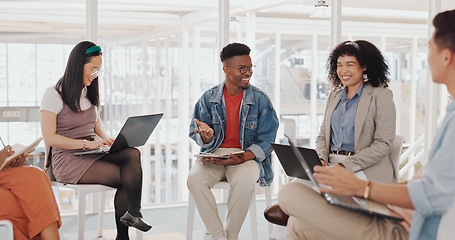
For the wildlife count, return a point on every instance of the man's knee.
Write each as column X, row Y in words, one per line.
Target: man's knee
column 194, row 180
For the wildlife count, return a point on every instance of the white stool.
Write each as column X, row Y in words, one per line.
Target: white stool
column 225, row 187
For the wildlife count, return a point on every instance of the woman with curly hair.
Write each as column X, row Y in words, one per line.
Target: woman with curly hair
column 359, row 121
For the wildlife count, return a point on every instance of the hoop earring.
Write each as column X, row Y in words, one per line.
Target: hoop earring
column 365, row 77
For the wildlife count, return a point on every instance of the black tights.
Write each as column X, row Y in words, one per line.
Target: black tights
column 121, row 170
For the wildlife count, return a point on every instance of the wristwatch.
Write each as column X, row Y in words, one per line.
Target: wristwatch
column 84, row 144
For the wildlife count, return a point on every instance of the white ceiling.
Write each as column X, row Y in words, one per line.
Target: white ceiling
column 51, row 19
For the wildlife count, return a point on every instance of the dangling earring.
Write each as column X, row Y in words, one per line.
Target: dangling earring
column 365, row 77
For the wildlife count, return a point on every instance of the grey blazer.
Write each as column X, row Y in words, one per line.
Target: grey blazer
column 374, row 133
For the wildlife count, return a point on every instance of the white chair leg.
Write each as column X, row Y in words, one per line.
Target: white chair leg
column 190, row 218
column 139, row 235
column 81, row 215
column 9, row 228
column 102, row 206
column 253, row 217
column 268, row 203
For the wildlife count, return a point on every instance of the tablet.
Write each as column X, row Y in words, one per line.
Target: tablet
column 211, row 155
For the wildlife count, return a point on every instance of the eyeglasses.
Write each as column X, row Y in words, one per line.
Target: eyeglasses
column 96, row 72
column 244, row 69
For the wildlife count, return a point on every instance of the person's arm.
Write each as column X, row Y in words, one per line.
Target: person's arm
column 205, row 132
column 345, row 183
column 7, row 152
column 101, row 132
column 202, row 114
column 234, row 159
column 321, row 140
column 384, row 124
column 266, row 131
column 51, row 138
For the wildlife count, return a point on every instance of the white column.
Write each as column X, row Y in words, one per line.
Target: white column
column 196, row 90
column 335, row 23
column 223, row 34
column 168, row 118
column 91, row 20
column 145, row 108
column 183, row 116
column 443, row 94
column 277, row 104
column 251, row 36
column 313, row 91
column 431, row 111
column 91, row 34
column 383, row 44
column 412, row 101
column 251, row 30
column 196, row 81
column 157, row 108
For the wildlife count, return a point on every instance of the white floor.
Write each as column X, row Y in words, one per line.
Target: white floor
column 168, row 223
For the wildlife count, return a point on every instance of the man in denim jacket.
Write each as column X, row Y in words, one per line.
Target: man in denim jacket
column 232, row 116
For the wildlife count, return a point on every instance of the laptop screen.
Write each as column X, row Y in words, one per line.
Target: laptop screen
column 302, row 161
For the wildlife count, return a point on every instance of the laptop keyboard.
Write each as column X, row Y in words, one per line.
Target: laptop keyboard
column 104, row 148
column 344, row 200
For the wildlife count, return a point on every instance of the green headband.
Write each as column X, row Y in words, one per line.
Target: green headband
column 93, row 49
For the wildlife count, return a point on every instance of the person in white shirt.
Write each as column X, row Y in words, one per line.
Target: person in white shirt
column 69, row 123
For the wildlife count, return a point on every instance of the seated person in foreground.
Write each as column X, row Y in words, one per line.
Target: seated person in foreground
column 27, row 200
column 428, row 198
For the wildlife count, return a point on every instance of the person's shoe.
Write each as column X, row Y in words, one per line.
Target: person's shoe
column 275, row 215
column 137, row 222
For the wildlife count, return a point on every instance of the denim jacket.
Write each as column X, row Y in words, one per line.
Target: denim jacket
column 258, row 125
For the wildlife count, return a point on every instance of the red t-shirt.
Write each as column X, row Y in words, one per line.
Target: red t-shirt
column 231, row 137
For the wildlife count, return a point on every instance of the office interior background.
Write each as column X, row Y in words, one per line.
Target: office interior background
column 160, row 56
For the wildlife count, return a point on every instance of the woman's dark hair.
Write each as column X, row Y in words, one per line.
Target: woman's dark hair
column 444, row 24
column 71, row 84
column 234, row 49
column 367, row 55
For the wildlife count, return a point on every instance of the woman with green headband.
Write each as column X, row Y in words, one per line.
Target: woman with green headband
column 70, row 121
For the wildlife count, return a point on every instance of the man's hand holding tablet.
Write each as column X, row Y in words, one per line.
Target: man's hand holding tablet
column 232, row 158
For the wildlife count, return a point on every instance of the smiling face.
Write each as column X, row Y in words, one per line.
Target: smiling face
column 93, row 65
column 235, row 80
column 349, row 71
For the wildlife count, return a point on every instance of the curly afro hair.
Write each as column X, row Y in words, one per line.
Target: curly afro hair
column 234, row 49
column 367, row 55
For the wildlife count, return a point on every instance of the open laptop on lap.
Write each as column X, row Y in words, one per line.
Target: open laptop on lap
column 291, row 164
column 134, row 133
column 304, row 159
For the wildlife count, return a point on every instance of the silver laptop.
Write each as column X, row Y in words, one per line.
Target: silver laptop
column 353, row 203
column 134, row 133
